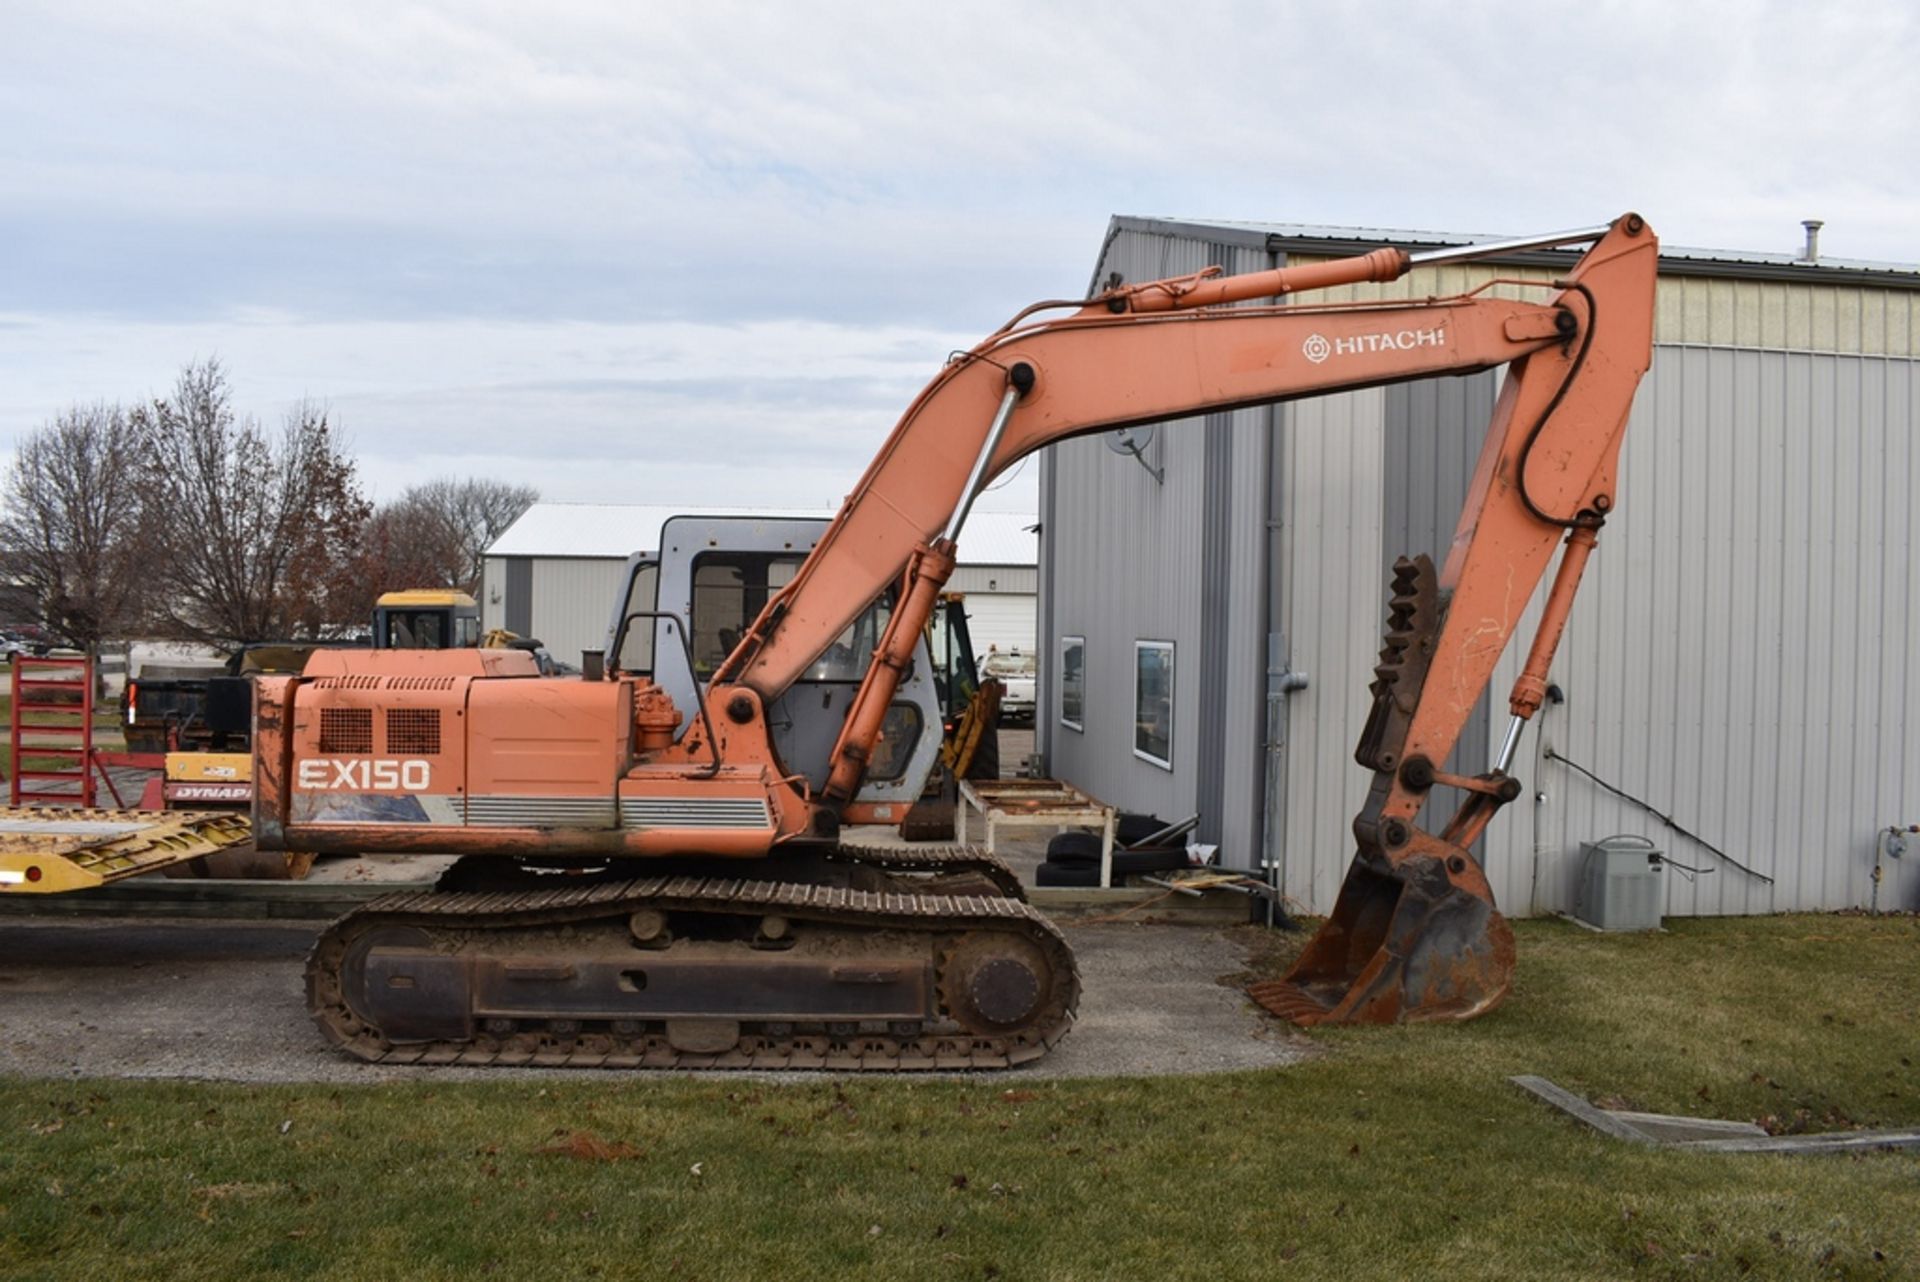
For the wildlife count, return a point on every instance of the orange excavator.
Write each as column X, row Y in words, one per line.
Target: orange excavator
column 655, row 875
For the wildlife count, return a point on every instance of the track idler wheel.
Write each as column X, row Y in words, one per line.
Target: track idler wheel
column 1412, row 937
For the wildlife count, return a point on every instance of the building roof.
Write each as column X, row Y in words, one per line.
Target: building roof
column 603, row 531
column 1316, row 238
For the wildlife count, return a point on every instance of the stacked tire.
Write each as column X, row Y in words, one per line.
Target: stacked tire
column 1073, row 858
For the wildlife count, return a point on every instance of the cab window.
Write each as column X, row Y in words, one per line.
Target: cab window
column 416, row 630
column 729, row 591
column 731, row 588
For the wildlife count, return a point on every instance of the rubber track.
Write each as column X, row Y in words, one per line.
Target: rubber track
column 944, row 914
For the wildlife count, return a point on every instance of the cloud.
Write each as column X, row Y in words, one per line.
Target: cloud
column 786, row 411
column 488, row 217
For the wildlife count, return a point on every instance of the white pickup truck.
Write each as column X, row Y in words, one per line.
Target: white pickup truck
column 1016, row 671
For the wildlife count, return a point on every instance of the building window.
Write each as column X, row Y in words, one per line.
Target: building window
column 1073, row 683
column 1153, row 702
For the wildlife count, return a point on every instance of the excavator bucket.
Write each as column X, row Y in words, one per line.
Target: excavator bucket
column 1407, row 941
column 1414, row 934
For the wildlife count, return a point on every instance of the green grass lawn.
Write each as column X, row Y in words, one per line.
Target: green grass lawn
column 1392, row 1153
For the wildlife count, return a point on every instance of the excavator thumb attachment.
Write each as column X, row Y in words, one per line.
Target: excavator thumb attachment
column 1408, row 940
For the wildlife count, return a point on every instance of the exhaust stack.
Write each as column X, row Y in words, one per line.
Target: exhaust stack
column 1813, row 226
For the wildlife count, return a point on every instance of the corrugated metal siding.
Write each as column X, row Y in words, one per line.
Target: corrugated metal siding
column 1184, row 561
column 570, row 602
column 1022, row 579
column 1741, row 653
column 1125, row 553
column 1717, row 629
column 1333, row 605
column 1709, row 311
column 1771, row 314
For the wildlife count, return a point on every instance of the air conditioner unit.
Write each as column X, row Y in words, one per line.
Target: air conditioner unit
column 1620, row 887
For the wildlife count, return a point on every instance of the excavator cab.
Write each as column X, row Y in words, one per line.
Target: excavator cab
column 685, row 605
column 425, row 619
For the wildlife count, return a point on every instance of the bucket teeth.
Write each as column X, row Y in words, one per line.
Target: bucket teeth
column 1288, row 1001
column 1413, row 623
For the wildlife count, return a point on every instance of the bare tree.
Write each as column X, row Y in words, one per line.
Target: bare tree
column 407, row 545
column 70, row 533
column 473, row 511
column 437, row 534
column 254, row 534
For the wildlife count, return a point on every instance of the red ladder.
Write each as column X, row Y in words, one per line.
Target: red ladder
column 59, row 692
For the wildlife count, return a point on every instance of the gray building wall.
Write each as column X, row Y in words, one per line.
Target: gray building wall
column 1135, row 559
column 564, row 601
column 1742, row 655
column 1739, row 655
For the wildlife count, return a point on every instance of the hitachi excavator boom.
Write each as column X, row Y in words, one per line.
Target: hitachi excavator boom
column 701, row 911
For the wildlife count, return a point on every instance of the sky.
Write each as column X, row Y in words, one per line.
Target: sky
column 651, row 251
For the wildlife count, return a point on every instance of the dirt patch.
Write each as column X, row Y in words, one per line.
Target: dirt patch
column 1268, row 952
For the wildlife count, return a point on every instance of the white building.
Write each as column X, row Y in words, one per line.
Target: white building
column 554, row 573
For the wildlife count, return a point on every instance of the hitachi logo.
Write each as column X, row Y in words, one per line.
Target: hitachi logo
column 1318, row 347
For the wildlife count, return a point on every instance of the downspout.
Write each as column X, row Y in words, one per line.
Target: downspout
column 1270, row 823
column 1043, row 694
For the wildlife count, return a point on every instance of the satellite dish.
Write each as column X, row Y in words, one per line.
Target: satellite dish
column 1134, row 441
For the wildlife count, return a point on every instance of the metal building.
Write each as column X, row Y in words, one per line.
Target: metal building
column 553, row 573
column 1742, row 655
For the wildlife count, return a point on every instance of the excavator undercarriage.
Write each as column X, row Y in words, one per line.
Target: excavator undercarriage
column 895, row 960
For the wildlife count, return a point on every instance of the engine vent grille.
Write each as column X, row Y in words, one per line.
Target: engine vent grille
column 413, row 732
column 541, row 812
column 347, row 683
column 421, row 683
column 694, row 812
column 346, row 730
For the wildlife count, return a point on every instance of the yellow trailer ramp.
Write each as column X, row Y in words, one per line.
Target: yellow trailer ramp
column 50, row 850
